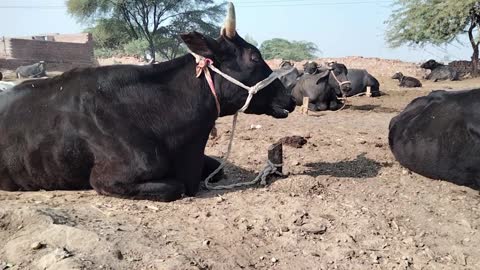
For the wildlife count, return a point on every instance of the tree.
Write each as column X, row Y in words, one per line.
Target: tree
column 157, row 21
column 110, row 33
column 437, row 22
column 292, row 50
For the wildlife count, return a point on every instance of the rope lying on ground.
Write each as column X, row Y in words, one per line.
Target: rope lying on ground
column 269, row 168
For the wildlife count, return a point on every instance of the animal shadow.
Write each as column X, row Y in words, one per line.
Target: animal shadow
column 374, row 108
column 360, row 167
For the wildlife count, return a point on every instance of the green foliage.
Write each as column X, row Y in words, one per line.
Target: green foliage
column 292, row 50
column 421, row 22
column 136, row 47
column 156, row 21
column 110, row 33
column 106, row 52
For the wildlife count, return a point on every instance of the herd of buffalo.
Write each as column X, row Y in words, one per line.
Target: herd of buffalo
column 140, row 132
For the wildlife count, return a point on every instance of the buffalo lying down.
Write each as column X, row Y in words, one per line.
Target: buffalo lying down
column 288, row 74
column 130, row 131
column 323, row 88
column 406, row 81
column 37, row 70
column 360, row 79
column 438, row 136
column 439, row 72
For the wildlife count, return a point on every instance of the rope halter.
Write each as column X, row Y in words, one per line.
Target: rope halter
column 338, row 81
column 203, row 66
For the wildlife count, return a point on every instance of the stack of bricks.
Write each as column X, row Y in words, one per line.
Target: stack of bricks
column 60, row 52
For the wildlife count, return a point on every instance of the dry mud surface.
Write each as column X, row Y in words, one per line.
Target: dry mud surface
column 344, row 204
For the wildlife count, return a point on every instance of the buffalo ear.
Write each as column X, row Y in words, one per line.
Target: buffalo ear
column 323, row 75
column 200, row 44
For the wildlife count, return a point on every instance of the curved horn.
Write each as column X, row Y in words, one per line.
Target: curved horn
column 230, row 29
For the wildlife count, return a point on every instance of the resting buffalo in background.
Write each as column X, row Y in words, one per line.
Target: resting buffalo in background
column 323, row 88
column 360, row 79
column 310, row 67
column 289, row 74
column 130, row 131
column 406, row 81
column 438, row 136
column 439, row 72
column 37, row 70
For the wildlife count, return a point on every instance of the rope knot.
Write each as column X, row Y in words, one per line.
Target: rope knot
column 202, row 65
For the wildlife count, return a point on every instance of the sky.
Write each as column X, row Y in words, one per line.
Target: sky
column 338, row 27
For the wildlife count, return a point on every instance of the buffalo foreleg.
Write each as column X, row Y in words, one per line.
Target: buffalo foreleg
column 118, row 180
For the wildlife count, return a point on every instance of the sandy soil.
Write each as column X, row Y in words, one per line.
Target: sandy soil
column 345, row 203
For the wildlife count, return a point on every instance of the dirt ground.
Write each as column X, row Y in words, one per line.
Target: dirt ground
column 345, row 203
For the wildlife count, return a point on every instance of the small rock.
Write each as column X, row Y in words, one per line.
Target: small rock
column 300, row 220
column 284, row 229
column 255, row 126
column 152, row 207
column 206, row 243
column 62, row 253
column 220, row 199
column 118, row 254
column 361, row 141
column 350, row 254
column 37, row 246
column 315, row 228
column 274, row 260
column 375, row 258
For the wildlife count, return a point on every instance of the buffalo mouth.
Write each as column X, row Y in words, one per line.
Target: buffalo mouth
column 280, row 112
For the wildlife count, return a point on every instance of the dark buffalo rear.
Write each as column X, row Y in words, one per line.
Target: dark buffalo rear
column 360, row 79
column 438, row 136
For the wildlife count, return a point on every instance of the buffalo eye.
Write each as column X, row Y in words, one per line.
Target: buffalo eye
column 255, row 57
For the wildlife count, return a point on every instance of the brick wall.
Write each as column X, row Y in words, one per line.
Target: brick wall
column 66, row 52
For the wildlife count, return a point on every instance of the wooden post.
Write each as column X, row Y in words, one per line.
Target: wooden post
column 306, row 100
column 369, row 91
column 275, row 155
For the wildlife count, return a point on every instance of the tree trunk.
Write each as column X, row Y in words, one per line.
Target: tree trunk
column 475, row 54
column 152, row 49
column 475, row 61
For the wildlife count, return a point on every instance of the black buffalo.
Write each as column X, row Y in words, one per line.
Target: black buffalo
column 289, row 74
column 439, row 72
column 360, row 79
column 323, row 88
column 36, row 70
column 438, row 136
column 1, row 76
column 406, row 81
column 130, row 131
column 310, row 67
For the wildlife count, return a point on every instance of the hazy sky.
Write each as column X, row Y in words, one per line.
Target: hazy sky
column 339, row 28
